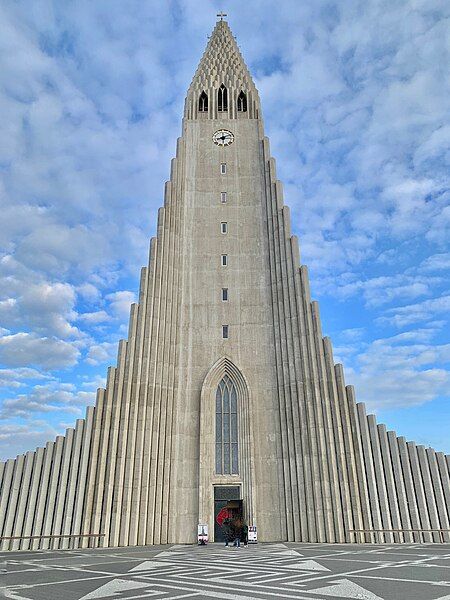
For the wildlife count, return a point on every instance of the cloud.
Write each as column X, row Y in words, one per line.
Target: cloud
column 353, row 334
column 414, row 313
column 88, row 291
column 401, row 371
column 436, row 262
column 374, row 126
column 91, row 99
column 16, row 378
column 25, row 349
column 98, row 382
column 46, row 308
column 405, row 387
column 98, row 316
column 379, row 291
column 120, row 303
column 47, row 398
column 101, row 353
column 15, row 439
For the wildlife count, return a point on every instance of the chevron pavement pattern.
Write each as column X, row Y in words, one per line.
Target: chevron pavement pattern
column 263, row 571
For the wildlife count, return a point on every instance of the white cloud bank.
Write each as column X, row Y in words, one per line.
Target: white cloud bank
column 355, row 98
column 24, row 349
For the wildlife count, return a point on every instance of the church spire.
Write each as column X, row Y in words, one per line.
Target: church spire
column 222, row 86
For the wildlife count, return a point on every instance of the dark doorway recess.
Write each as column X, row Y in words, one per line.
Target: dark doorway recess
column 226, row 497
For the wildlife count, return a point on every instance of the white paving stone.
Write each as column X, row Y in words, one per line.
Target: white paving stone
column 346, row 589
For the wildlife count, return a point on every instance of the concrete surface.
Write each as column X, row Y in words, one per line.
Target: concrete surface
column 304, row 571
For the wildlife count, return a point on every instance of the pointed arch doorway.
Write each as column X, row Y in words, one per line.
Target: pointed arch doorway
column 226, row 447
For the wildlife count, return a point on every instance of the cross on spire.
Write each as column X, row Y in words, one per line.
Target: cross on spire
column 222, row 15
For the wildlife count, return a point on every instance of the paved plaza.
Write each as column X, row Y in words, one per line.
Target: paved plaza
column 304, row 571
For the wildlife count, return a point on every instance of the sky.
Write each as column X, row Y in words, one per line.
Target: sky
column 356, row 103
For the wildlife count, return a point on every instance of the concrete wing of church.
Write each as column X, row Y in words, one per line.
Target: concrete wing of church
column 225, row 392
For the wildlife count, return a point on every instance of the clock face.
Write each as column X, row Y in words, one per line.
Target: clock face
column 223, row 137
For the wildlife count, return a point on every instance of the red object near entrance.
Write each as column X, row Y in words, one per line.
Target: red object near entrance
column 223, row 514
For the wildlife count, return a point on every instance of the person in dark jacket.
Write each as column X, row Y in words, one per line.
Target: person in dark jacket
column 237, row 532
column 244, row 535
column 228, row 530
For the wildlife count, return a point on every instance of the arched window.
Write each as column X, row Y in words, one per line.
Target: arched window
column 203, row 102
column 227, row 457
column 242, row 102
column 222, row 103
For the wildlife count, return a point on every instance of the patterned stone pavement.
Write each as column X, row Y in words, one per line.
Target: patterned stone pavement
column 264, row 571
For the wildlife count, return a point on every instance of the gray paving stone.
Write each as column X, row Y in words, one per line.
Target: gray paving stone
column 313, row 572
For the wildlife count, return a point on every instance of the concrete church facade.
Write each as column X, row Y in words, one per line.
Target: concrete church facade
column 225, row 381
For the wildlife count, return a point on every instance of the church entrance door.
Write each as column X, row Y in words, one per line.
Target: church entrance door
column 228, row 498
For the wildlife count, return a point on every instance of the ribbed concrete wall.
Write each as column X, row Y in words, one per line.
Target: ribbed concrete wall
column 43, row 492
column 399, row 486
column 128, row 470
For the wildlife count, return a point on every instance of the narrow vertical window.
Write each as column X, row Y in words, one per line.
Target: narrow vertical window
column 223, row 168
column 222, row 100
column 227, row 449
column 224, row 260
column 225, row 332
column 223, row 197
column 224, row 294
column 203, row 102
column 242, row 102
column 224, row 227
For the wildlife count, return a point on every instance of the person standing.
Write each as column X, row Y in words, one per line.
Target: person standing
column 237, row 533
column 228, row 531
column 244, row 534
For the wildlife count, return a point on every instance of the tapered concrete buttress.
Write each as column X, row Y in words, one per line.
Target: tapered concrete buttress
column 77, row 521
column 41, row 503
column 441, row 505
column 413, row 507
column 355, row 514
column 332, row 504
column 62, row 489
column 361, row 472
column 391, row 489
column 225, row 390
column 419, row 490
column 22, row 498
column 8, row 473
column 14, row 496
column 69, row 501
column 399, row 482
column 92, row 471
column 445, row 481
column 386, row 516
column 370, row 471
column 428, row 491
column 30, row 509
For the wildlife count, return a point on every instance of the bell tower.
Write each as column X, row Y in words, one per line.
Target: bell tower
column 227, row 366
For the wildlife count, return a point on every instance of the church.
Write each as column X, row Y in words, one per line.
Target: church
column 225, row 392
